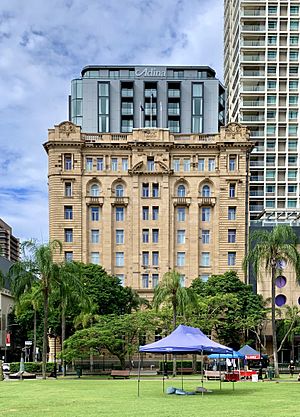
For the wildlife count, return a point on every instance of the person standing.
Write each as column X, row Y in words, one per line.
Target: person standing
column 291, row 368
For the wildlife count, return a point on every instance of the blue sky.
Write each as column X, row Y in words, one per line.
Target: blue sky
column 45, row 44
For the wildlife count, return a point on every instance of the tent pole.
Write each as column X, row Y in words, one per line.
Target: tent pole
column 163, row 371
column 181, row 375
column 232, row 372
column 220, row 371
column 202, row 371
column 139, row 374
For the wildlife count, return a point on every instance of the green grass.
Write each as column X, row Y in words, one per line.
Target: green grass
column 113, row 398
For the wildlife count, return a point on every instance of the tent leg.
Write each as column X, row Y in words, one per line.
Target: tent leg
column 220, row 371
column 139, row 375
column 163, row 372
column 202, row 372
column 181, row 375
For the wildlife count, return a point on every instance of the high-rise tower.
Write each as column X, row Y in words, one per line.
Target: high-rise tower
column 262, row 76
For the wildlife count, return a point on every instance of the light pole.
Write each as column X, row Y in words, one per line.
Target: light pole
column 54, row 336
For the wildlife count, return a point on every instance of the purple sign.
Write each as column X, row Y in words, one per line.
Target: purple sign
column 280, row 281
column 280, row 300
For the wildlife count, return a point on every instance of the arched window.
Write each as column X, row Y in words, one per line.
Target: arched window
column 119, row 190
column 206, row 191
column 95, row 190
column 181, row 190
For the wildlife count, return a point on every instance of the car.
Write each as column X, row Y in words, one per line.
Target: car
column 5, row 367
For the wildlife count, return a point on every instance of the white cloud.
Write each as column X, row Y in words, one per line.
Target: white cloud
column 45, row 44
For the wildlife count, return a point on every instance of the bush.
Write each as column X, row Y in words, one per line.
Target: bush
column 32, row 367
column 185, row 364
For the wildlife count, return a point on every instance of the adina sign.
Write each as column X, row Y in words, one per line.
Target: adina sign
column 150, row 72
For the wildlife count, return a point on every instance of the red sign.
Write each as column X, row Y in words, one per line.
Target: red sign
column 252, row 356
column 7, row 340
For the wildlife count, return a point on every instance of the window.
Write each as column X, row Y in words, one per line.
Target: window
column 155, row 235
column 204, row 277
column 272, row 40
column 293, row 114
column 181, row 190
column 95, row 214
column 176, row 165
column 68, row 162
column 270, row 189
column 68, row 212
column 231, row 236
column 205, row 259
column 180, row 214
column 231, row 190
column 69, row 235
column 145, row 280
column 94, row 236
column 271, row 99
column 155, row 258
column 232, row 163
column 94, row 190
column 100, row 165
column 174, row 126
column 178, row 74
column 270, row 174
column 155, row 280
column 292, row 174
column 231, row 213
column 145, row 213
column 294, row 40
column 68, row 256
column 119, row 258
column 293, row 70
column 182, row 280
column 271, row 85
column 119, row 190
column 68, row 189
column 272, row 55
column 186, row 165
column 155, row 212
column 114, row 164
column 272, row 24
column 197, row 108
column 271, row 129
column 89, row 164
column 294, row 55
column 150, row 163
column 95, row 258
column 293, row 100
column 293, row 85
column 103, row 107
column 205, row 236
column 292, row 188
column 205, row 214
column 292, row 203
column 119, row 236
column 145, row 258
column 119, row 214
column 271, row 69
column 271, row 114
column 206, row 191
column 211, row 164
column 180, row 237
column 180, row 259
column 294, row 10
column 145, row 235
column 201, row 164
column 231, row 258
column 124, row 164
column 155, row 190
column 294, row 25
column 293, row 130
column 121, row 278
column 293, row 144
column 272, row 9
column 145, row 190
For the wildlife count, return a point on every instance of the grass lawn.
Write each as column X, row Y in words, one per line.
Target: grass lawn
column 113, row 398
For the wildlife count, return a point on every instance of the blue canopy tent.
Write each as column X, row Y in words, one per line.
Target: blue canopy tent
column 233, row 355
column 184, row 340
column 249, row 352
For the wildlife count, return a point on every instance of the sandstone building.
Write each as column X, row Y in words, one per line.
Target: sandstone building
column 145, row 202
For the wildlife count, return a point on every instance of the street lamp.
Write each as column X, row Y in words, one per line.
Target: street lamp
column 54, row 336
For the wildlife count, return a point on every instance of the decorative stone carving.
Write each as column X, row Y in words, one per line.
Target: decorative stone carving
column 67, row 128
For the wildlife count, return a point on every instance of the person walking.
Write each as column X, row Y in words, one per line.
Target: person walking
column 291, row 368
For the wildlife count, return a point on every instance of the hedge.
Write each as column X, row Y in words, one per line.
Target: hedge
column 185, row 364
column 32, row 367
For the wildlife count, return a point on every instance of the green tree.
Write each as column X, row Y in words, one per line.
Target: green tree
column 171, row 292
column 38, row 265
column 227, row 307
column 119, row 334
column 267, row 251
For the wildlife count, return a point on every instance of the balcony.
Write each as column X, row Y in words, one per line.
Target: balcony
column 253, row 28
column 248, row 73
column 254, row 118
column 256, row 207
column 256, row 193
column 256, row 178
column 181, row 201
column 94, row 201
column 255, row 103
column 253, row 58
column 207, row 201
column 253, row 12
column 119, row 201
column 257, row 163
column 249, row 88
column 253, row 43
column 255, row 133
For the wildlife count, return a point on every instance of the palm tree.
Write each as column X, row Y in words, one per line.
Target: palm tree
column 170, row 291
column 38, row 264
column 30, row 299
column 267, row 251
column 68, row 290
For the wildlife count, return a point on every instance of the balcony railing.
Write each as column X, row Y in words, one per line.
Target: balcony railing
column 256, row 178
column 254, row 28
column 255, row 103
column 181, row 201
column 253, row 73
column 120, row 201
column 206, row 201
column 94, row 200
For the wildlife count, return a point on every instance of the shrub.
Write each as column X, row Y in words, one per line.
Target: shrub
column 32, row 367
